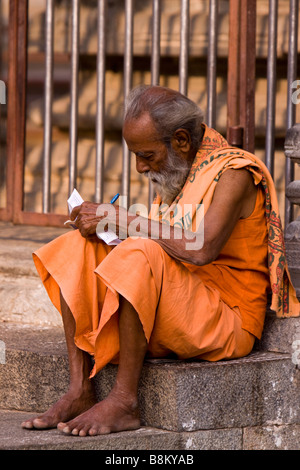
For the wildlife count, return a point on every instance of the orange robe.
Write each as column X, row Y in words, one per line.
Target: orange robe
column 210, row 312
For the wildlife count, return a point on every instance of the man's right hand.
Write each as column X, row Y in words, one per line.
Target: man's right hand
column 86, row 219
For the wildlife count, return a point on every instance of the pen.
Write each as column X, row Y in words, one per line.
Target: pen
column 114, row 198
column 69, row 222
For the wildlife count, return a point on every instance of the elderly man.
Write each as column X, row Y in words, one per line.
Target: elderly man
column 159, row 296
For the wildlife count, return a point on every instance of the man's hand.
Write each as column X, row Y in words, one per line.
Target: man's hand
column 86, row 219
column 89, row 214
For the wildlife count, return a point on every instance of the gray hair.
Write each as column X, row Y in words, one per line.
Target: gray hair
column 169, row 110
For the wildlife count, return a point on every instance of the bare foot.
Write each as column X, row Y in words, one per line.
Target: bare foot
column 70, row 405
column 113, row 414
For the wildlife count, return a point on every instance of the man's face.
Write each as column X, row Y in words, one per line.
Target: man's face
column 164, row 167
column 143, row 140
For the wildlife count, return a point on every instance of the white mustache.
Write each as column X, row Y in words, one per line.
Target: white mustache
column 170, row 180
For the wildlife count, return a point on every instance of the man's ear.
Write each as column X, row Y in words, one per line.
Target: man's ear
column 181, row 141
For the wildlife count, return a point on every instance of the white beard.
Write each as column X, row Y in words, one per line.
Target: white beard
column 170, row 180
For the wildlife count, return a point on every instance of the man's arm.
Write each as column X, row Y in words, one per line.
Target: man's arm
column 234, row 198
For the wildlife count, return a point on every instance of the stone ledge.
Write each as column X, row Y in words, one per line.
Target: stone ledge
column 261, row 389
column 279, row 334
column 272, row 438
column 13, row 437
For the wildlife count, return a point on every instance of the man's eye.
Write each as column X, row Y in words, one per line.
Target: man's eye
column 149, row 156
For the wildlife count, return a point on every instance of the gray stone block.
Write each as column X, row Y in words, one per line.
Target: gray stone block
column 23, row 299
column 219, row 439
column 286, row 437
column 279, row 334
column 261, row 389
column 188, row 396
column 35, row 373
column 13, row 437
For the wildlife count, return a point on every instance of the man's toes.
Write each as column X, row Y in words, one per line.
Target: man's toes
column 39, row 423
column 63, row 427
column 83, row 432
column 36, row 423
column 27, row 425
column 93, row 431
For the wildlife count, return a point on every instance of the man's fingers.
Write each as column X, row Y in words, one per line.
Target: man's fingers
column 75, row 212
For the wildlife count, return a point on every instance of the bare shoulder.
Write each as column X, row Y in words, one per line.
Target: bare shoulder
column 237, row 186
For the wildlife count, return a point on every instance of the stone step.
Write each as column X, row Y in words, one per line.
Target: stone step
column 271, row 437
column 23, row 298
column 181, row 396
column 13, row 437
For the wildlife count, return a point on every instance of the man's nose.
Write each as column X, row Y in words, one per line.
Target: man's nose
column 142, row 165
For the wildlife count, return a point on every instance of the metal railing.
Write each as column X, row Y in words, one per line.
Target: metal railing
column 271, row 90
column 240, row 90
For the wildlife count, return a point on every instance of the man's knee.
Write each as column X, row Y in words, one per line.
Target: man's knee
column 135, row 247
column 146, row 245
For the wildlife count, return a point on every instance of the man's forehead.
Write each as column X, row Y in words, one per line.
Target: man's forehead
column 141, row 127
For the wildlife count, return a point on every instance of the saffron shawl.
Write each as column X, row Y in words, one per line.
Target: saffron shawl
column 213, row 158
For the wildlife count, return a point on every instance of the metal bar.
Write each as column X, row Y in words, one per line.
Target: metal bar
column 247, row 73
column 128, row 59
column 234, row 130
column 20, row 115
column 99, row 179
column 212, row 62
column 155, row 66
column 155, row 56
column 271, row 81
column 184, row 46
column 48, row 95
column 291, row 108
column 11, row 108
column 74, row 96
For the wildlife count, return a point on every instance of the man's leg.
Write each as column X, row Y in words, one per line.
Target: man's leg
column 81, row 395
column 119, row 411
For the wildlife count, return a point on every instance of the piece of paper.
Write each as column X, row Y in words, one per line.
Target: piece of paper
column 110, row 238
column 74, row 200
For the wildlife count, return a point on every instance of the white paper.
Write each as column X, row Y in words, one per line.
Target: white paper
column 110, row 238
column 74, row 200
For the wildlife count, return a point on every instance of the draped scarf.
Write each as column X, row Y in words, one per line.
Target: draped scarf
column 213, row 158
